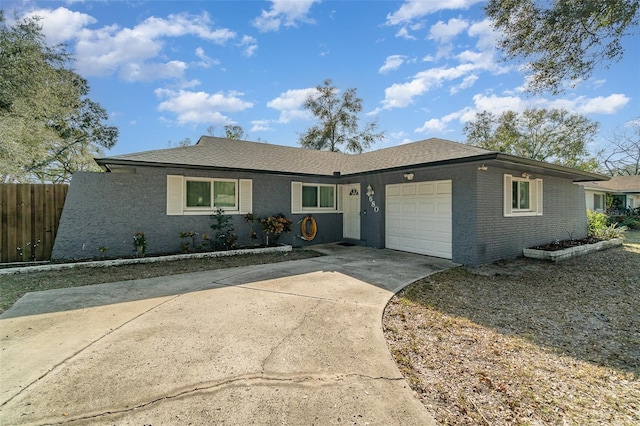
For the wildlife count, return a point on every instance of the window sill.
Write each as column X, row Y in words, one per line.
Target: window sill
column 210, row 212
column 318, row 211
column 524, row 213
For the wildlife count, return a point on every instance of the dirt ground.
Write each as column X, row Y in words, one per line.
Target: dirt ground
column 524, row 341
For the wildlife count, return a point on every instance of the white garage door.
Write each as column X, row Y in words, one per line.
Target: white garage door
column 418, row 217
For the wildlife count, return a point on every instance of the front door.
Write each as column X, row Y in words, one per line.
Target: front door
column 351, row 211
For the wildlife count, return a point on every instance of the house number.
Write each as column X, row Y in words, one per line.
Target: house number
column 370, row 193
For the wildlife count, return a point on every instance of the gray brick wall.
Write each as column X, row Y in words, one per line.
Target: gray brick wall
column 463, row 202
column 105, row 209
column 499, row 237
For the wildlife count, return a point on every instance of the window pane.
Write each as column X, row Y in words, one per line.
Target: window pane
column 309, row 196
column 326, row 196
column 198, row 194
column 224, row 194
column 514, row 194
column 524, row 195
column 597, row 201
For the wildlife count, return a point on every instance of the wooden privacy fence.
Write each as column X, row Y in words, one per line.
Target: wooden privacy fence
column 29, row 215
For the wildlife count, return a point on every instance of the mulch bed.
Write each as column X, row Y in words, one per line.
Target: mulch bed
column 564, row 244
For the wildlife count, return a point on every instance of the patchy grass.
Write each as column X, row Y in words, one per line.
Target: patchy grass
column 632, row 236
column 13, row 287
column 524, row 341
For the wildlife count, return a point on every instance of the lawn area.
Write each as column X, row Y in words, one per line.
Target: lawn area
column 524, row 341
column 14, row 286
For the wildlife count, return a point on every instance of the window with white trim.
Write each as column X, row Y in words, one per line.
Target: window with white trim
column 313, row 197
column 598, row 202
column 522, row 196
column 197, row 195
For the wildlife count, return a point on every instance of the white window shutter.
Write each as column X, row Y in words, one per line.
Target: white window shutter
column 246, row 196
column 508, row 189
column 340, row 189
column 175, row 197
column 539, row 197
column 296, row 197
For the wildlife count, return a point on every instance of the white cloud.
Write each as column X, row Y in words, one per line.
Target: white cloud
column 494, row 104
column 467, row 82
column 392, row 62
column 152, row 71
column 498, row 104
column 605, row 105
column 415, row 9
column 260, row 126
column 284, row 12
column 398, row 135
column 61, row 24
column 438, row 125
column 486, row 34
column 602, row 105
column 110, row 49
column 472, row 62
column 432, row 125
column 445, row 32
column 249, row 44
column 404, row 33
column 205, row 61
column 290, row 104
column 401, row 95
column 201, row 107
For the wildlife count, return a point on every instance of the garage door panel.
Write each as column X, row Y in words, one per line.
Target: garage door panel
column 409, row 207
column 394, row 241
column 425, row 188
column 427, row 207
column 408, row 242
column 443, row 187
column 394, row 224
column 409, row 225
column 408, row 189
column 394, row 208
column 443, row 208
column 427, row 226
column 418, row 218
column 393, row 190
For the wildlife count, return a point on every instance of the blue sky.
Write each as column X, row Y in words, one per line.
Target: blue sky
column 168, row 70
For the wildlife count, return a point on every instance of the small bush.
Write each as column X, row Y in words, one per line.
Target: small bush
column 632, row 222
column 599, row 226
column 597, row 222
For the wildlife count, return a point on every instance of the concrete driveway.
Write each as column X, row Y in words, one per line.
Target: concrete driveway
column 297, row 342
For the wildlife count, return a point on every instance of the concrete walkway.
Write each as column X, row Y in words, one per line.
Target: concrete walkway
column 297, row 342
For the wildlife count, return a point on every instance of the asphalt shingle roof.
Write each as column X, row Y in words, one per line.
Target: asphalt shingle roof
column 617, row 184
column 225, row 153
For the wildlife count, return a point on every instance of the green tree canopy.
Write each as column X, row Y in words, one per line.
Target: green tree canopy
column 563, row 41
column 554, row 136
column 49, row 128
column 234, row 132
column 338, row 121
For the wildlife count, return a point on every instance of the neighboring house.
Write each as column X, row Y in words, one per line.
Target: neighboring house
column 433, row 197
column 624, row 192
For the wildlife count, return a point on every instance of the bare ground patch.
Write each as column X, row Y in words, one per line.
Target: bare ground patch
column 524, row 341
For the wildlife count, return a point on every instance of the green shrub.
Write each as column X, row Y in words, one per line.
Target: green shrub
column 597, row 222
column 632, row 222
column 599, row 226
column 224, row 238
